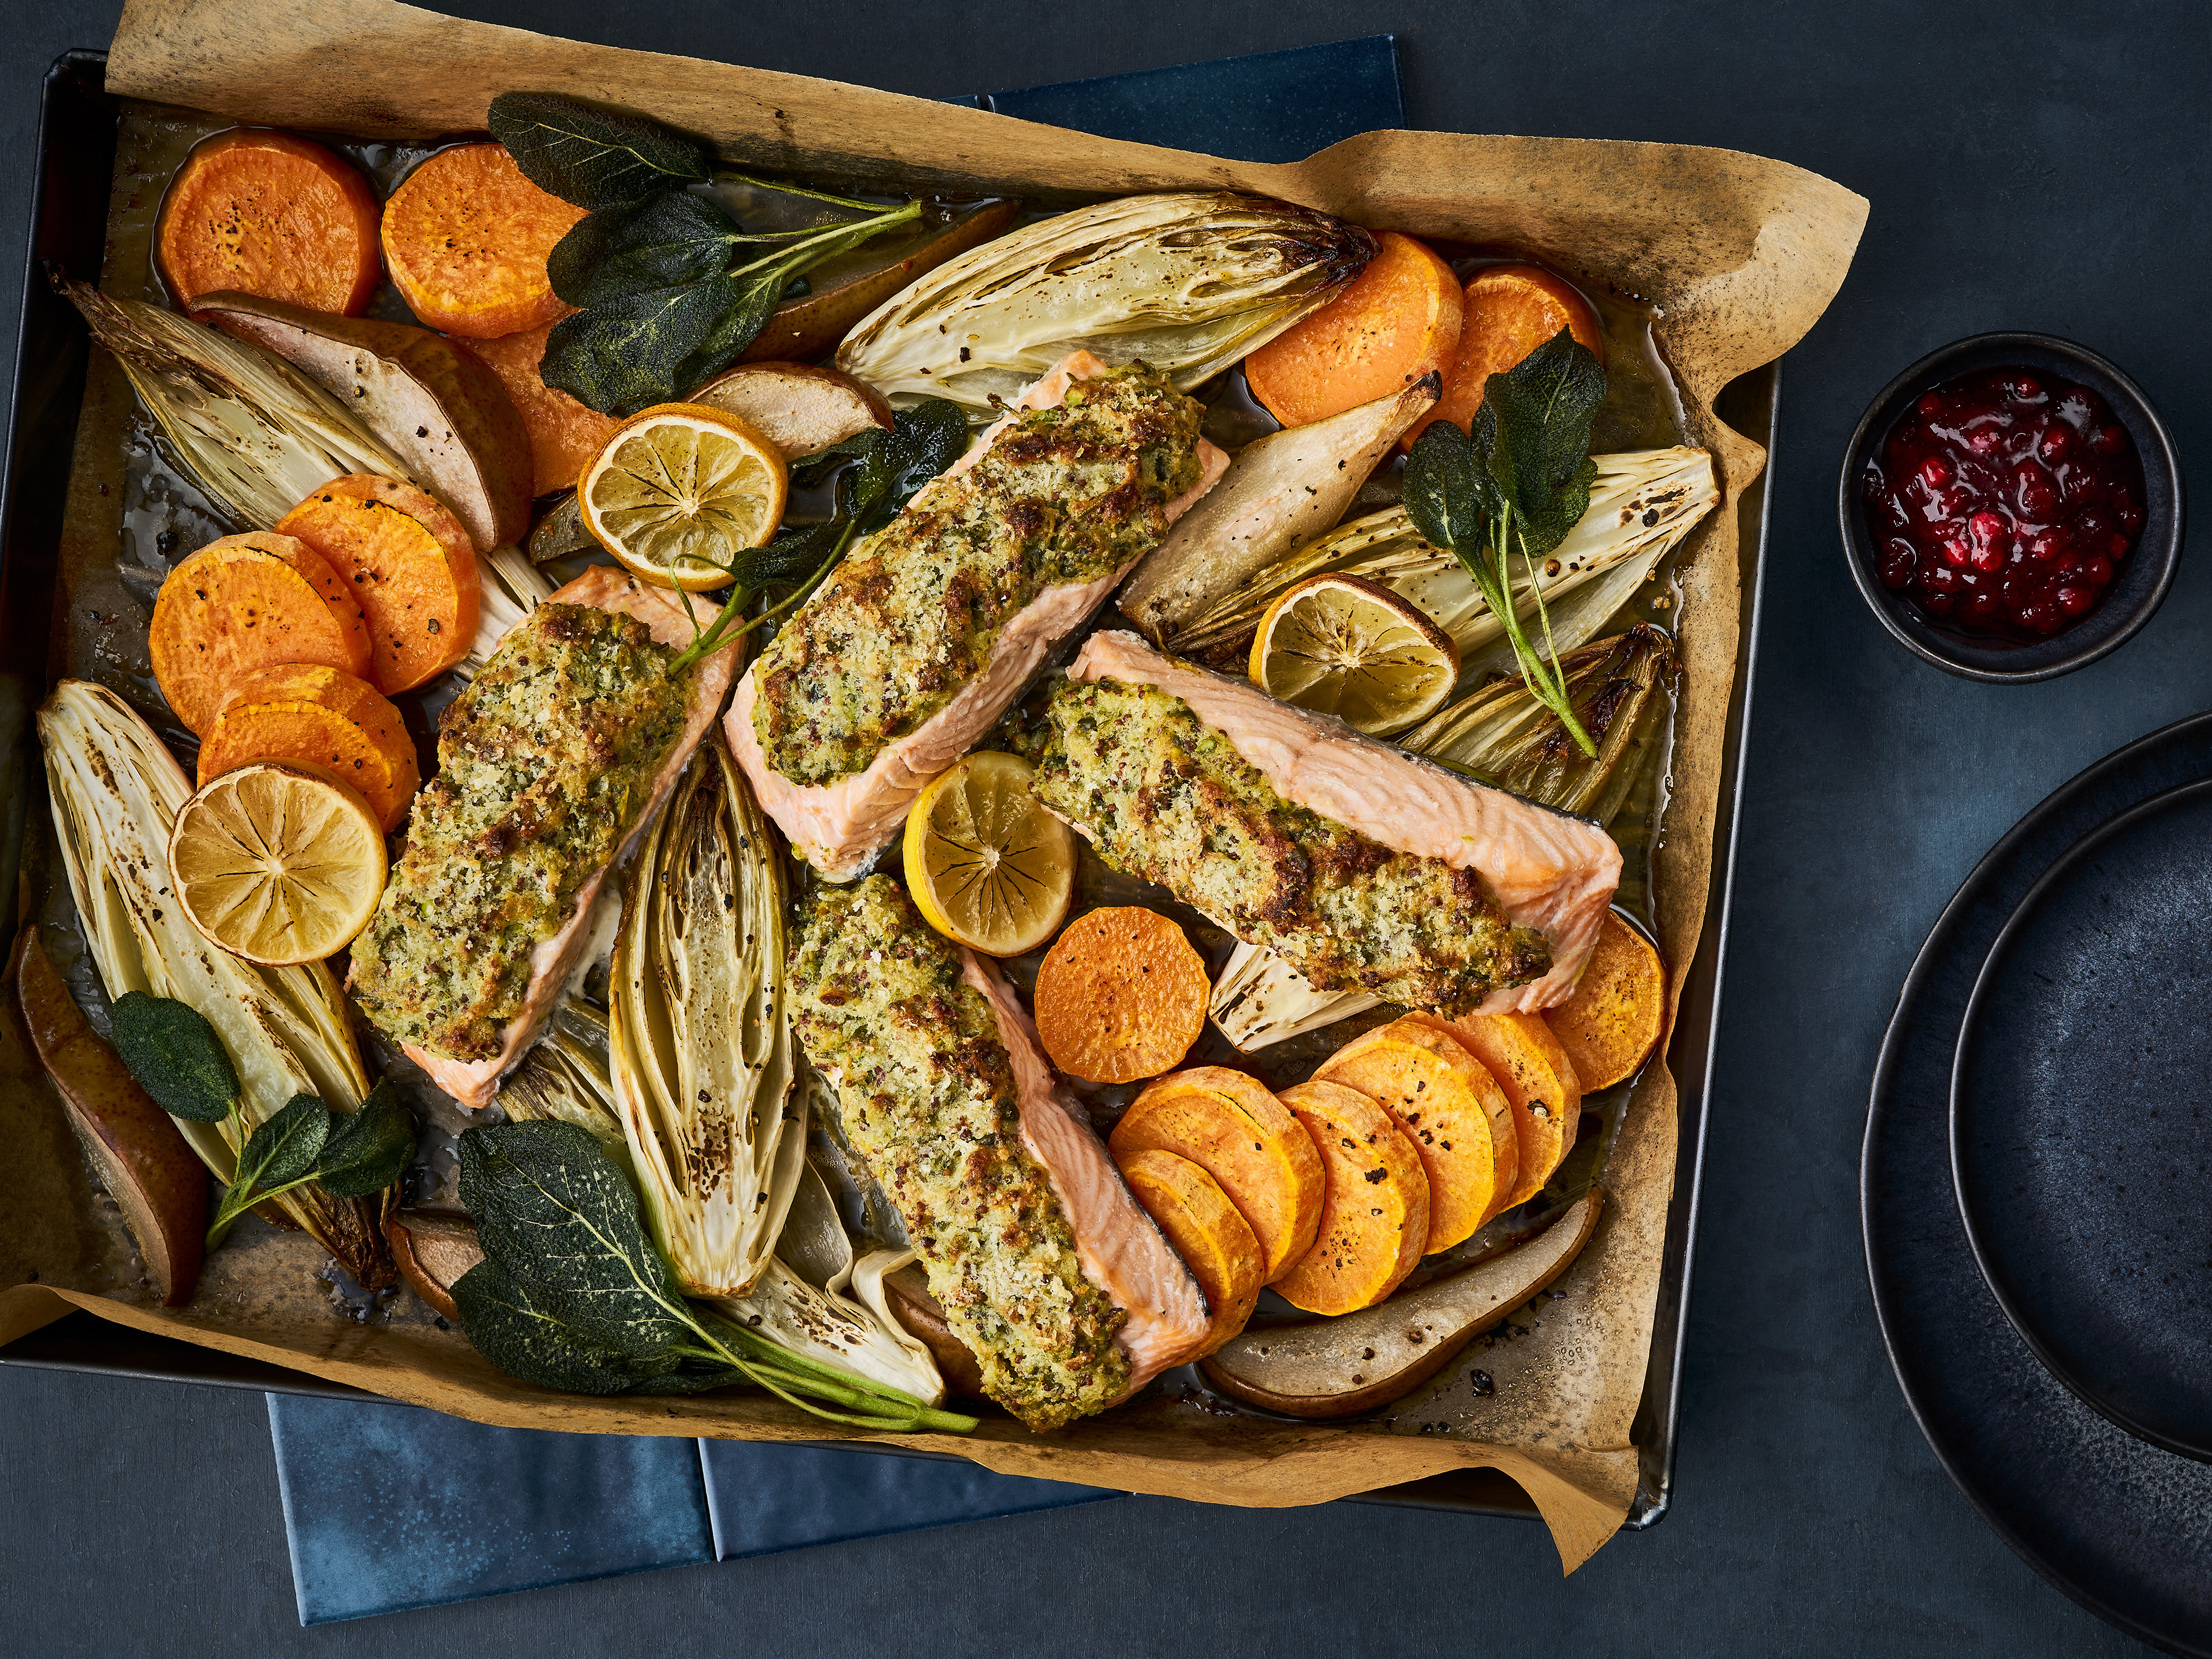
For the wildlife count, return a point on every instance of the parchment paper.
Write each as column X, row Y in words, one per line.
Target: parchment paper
column 1741, row 255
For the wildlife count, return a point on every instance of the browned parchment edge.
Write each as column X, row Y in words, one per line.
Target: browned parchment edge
column 1743, row 254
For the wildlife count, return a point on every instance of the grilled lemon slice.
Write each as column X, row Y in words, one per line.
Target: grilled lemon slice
column 680, row 490
column 1351, row 648
column 277, row 865
column 988, row 867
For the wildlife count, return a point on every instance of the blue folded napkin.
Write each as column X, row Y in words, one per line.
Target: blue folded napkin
column 389, row 1507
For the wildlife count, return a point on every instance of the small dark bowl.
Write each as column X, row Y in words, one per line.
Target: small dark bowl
column 2138, row 590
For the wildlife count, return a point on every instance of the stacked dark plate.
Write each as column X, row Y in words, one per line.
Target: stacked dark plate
column 2036, row 1190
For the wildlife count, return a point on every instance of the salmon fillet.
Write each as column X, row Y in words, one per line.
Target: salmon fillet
column 1549, row 872
column 840, row 826
column 475, row 1083
column 1048, row 1270
column 1120, row 1246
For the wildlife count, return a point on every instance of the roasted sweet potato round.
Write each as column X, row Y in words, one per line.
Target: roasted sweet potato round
column 240, row 604
column 1375, row 1216
column 1235, row 1129
column 1206, row 1230
column 465, row 237
column 1397, row 321
column 1453, row 1111
column 323, row 721
column 262, row 212
column 1612, row 1022
column 563, row 433
column 1121, row 996
column 1539, row 1083
column 409, row 562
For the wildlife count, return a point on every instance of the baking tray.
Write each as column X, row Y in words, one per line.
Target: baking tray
column 69, row 222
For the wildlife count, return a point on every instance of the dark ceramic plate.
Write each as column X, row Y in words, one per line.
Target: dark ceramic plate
column 2110, row 1519
column 2079, row 1138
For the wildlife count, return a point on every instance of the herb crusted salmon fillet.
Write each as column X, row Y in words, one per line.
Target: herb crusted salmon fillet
column 1367, row 869
column 550, row 763
column 927, row 631
column 1046, row 1268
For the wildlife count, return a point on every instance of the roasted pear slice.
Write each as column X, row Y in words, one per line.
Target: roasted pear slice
column 1336, row 1367
column 906, row 1294
column 433, row 1249
column 800, row 408
column 442, row 409
column 154, row 1176
column 813, row 324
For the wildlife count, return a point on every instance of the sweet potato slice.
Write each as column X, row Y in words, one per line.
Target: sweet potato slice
column 409, row 562
column 1612, row 1022
column 1453, row 1111
column 465, row 237
column 265, row 213
column 242, row 602
column 324, row 720
column 564, row 433
column 1397, row 322
column 1506, row 313
column 1235, row 1129
column 1121, row 996
column 1539, row 1081
column 1206, row 1231
column 1375, row 1216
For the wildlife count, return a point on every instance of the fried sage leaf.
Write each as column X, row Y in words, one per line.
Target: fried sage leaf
column 553, row 1212
column 369, row 1149
column 173, row 1051
column 673, row 237
column 523, row 1337
column 593, row 157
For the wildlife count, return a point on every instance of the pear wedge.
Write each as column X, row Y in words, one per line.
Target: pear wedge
column 441, row 409
column 135, row 1148
column 433, row 1249
column 1282, row 489
column 1338, row 1367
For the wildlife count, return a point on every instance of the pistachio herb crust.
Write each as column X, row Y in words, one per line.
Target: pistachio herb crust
column 927, row 1095
column 1065, row 496
column 1166, row 798
column 544, row 764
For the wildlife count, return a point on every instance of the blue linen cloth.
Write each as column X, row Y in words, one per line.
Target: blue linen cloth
column 388, row 1507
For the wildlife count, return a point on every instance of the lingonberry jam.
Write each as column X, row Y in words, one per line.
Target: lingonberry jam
column 2002, row 503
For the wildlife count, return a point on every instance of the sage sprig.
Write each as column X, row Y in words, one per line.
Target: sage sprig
column 671, row 288
column 1516, row 480
column 573, row 1295
column 886, row 472
column 172, row 1050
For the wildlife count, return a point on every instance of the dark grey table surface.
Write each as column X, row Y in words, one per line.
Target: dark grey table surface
column 2030, row 166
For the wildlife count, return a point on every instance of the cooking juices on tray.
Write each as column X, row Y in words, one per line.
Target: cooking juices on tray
column 672, row 1156
column 2004, row 503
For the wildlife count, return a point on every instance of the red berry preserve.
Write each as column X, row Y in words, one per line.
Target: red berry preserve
column 2003, row 502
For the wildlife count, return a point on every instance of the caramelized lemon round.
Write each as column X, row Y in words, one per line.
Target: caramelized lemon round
column 277, row 865
column 987, row 866
column 1351, row 648
column 679, row 491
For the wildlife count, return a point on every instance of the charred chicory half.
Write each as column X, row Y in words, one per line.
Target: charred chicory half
column 1189, row 283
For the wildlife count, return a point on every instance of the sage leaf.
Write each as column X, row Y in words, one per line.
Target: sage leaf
column 173, row 1051
column 667, row 238
column 284, row 1148
column 369, row 1148
column 1541, row 410
column 593, row 157
column 525, row 1339
column 622, row 355
column 922, row 442
column 1449, row 492
column 553, row 1211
